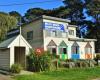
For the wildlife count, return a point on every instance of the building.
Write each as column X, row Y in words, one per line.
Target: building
column 13, row 50
column 59, row 37
column 49, row 33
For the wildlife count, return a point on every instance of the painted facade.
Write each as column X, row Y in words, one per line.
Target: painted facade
column 59, row 37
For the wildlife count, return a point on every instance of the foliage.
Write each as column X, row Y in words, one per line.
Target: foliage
column 38, row 62
column 64, row 74
column 75, row 9
column 16, row 15
column 6, row 23
column 33, row 13
column 82, row 63
column 93, row 10
column 16, row 68
column 97, row 57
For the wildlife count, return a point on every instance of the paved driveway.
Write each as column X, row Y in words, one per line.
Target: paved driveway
column 4, row 77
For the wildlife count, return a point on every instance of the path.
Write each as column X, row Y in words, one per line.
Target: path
column 4, row 77
column 97, row 79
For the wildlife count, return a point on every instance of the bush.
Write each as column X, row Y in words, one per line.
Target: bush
column 97, row 57
column 39, row 62
column 82, row 63
column 16, row 68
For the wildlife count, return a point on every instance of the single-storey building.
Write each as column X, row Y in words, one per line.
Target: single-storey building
column 13, row 50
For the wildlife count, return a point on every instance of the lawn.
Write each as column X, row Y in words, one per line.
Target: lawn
column 64, row 74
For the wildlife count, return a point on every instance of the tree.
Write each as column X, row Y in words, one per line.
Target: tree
column 75, row 8
column 16, row 15
column 33, row 13
column 60, row 12
column 75, row 12
column 93, row 9
column 36, row 12
column 6, row 23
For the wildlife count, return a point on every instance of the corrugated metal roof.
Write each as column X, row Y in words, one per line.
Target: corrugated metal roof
column 6, row 43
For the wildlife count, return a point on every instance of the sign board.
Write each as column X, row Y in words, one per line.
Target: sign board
column 53, row 26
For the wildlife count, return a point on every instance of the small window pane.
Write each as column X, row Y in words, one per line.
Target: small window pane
column 71, row 32
column 30, row 35
column 54, row 33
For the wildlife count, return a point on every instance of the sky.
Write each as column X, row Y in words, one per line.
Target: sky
column 23, row 8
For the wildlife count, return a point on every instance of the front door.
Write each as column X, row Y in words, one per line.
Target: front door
column 20, row 56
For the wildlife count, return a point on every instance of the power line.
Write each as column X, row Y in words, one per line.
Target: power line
column 17, row 4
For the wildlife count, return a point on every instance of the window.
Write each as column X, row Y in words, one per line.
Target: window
column 54, row 50
column 88, row 48
column 71, row 32
column 54, row 33
column 75, row 48
column 64, row 34
column 47, row 33
column 63, row 50
column 59, row 34
column 30, row 35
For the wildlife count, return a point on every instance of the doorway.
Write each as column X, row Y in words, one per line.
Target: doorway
column 20, row 56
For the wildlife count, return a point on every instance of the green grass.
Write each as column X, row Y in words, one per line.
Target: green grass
column 64, row 74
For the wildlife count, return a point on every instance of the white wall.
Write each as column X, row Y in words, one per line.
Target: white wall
column 69, row 43
column 19, row 41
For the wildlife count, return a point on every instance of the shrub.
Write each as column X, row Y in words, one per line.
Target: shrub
column 69, row 60
column 16, row 68
column 82, row 63
column 98, row 57
column 39, row 62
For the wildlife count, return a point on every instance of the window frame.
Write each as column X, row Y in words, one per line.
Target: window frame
column 28, row 35
column 71, row 32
